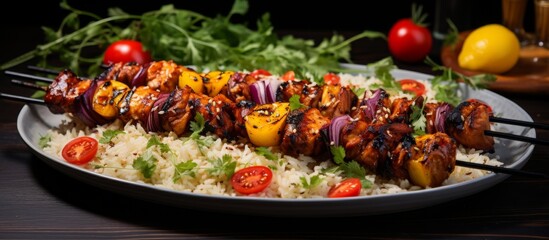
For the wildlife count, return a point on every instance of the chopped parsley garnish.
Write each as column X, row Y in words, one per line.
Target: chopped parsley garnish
column 146, row 163
column 184, row 169
column 446, row 86
column 263, row 151
column 418, row 119
column 295, row 103
column 108, row 135
column 197, row 126
column 312, row 182
column 223, row 165
column 154, row 141
column 44, row 141
column 351, row 169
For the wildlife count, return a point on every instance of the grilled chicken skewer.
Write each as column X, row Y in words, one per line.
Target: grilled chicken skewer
column 466, row 125
column 303, row 128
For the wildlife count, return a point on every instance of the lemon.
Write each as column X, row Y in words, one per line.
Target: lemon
column 491, row 48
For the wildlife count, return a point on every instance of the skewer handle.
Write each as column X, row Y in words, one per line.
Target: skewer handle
column 504, row 170
column 516, row 137
column 21, row 99
column 519, row 123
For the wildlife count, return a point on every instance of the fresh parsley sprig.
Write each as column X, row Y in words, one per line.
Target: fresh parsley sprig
column 189, row 38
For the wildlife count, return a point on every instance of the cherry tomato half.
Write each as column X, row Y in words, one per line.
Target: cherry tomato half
column 126, row 51
column 260, row 72
column 288, row 76
column 349, row 187
column 251, row 179
column 331, row 78
column 411, row 85
column 80, row 150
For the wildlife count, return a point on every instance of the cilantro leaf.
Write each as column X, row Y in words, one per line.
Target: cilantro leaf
column 224, row 165
column 338, row 153
column 295, row 103
column 446, row 86
column 353, row 169
column 263, row 151
column 184, row 168
column 418, row 120
column 382, row 70
column 154, row 141
column 108, row 135
column 44, row 141
column 197, row 126
column 312, row 182
column 146, row 164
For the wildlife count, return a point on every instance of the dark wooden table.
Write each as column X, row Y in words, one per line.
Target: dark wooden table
column 39, row 202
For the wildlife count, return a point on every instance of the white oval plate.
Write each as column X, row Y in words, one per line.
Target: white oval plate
column 34, row 120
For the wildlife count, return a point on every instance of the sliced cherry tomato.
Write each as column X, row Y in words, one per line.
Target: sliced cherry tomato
column 260, row 72
column 126, row 51
column 349, row 187
column 80, row 150
column 414, row 86
column 252, row 179
column 331, row 78
column 288, row 76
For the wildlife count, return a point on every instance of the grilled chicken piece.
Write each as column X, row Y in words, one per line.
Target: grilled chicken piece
column 239, row 87
column 137, row 104
column 374, row 107
column 466, row 124
column 217, row 113
column 309, row 93
column 401, row 109
column 432, row 160
column 62, row 92
column 370, row 144
column 399, row 157
column 123, row 72
column 164, row 75
column 336, row 100
column 302, row 133
column 177, row 113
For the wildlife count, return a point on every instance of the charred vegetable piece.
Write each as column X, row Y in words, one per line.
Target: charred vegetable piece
column 265, row 123
column 215, row 81
column 433, row 159
column 107, row 96
column 192, row 79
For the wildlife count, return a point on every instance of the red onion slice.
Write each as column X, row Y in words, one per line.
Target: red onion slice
column 272, row 88
column 440, row 116
column 140, row 79
column 335, row 128
column 371, row 104
column 83, row 109
column 257, row 90
column 154, row 123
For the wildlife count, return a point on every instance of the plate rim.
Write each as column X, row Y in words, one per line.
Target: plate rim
column 299, row 207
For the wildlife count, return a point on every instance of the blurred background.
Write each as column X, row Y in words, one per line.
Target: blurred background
column 342, row 16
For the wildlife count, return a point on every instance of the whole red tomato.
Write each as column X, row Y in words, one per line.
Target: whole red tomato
column 126, row 51
column 409, row 39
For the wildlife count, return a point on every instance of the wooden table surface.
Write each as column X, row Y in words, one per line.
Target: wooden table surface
column 39, row 202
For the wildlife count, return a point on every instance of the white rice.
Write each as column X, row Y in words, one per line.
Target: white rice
column 116, row 160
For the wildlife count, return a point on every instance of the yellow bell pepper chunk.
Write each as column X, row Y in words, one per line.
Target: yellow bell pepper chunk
column 107, row 96
column 192, row 79
column 214, row 81
column 265, row 123
column 419, row 175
